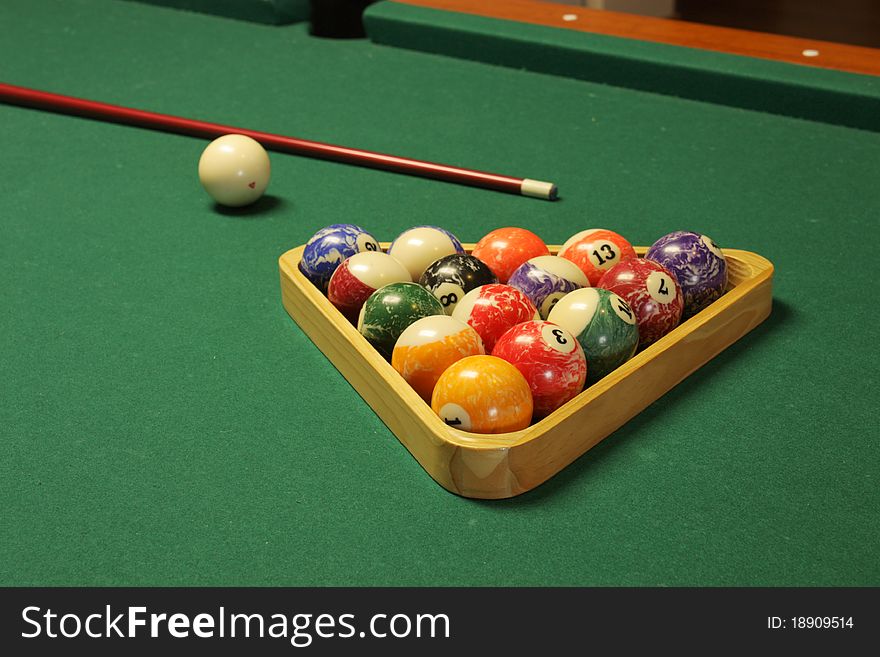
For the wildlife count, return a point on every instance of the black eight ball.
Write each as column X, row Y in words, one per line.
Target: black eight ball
column 453, row 276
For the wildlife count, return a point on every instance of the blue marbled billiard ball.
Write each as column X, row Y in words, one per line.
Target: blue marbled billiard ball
column 697, row 263
column 329, row 247
column 546, row 279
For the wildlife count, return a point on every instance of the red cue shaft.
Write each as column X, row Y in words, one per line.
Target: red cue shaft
column 130, row 116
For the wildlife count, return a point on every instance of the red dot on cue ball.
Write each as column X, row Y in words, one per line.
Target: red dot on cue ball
column 234, row 170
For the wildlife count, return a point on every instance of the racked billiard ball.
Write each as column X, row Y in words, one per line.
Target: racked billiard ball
column 492, row 309
column 418, row 247
column 698, row 265
column 551, row 360
column 358, row 277
column 453, row 276
column 505, row 249
column 604, row 325
column 651, row 291
column 596, row 250
column 235, row 170
column 546, row 279
column 428, row 346
column 483, row 394
column 329, row 247
column 391, row 309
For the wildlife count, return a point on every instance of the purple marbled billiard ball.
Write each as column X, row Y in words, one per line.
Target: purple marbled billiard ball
column 697, row 263
column 546, row 279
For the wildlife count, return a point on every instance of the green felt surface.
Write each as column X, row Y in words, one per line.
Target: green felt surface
column 749, row 83
column 164, row 422
column 273, row 12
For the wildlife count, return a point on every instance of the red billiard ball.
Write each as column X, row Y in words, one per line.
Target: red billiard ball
column 551, row 360
column 492, row 309
column 359, row 276
column 652, row 292
column 596, row 250
column 505, row 249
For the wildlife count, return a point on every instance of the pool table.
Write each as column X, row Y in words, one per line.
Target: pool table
column 165, row 422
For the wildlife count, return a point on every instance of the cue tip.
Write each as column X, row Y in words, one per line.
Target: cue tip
column 539, row 189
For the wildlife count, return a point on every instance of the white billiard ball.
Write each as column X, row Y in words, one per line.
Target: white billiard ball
column 234, row 170
column 418, row 247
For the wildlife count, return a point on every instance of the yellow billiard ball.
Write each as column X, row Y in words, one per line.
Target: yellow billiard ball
column 483, row 394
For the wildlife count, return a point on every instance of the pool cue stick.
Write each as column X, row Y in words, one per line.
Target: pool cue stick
column 129, row 116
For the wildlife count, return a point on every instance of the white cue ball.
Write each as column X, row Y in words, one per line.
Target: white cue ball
column 234, row 170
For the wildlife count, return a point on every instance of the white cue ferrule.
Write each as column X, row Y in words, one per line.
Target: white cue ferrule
column 538, row 189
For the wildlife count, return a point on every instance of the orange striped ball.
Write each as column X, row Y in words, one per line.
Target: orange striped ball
column 596, row 250
column 429, row 346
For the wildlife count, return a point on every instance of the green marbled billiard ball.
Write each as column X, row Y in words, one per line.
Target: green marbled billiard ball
column 603, row 323
column 391, row 309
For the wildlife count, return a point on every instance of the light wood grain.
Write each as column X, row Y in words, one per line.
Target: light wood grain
column 825, row 54
column 505, row 465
